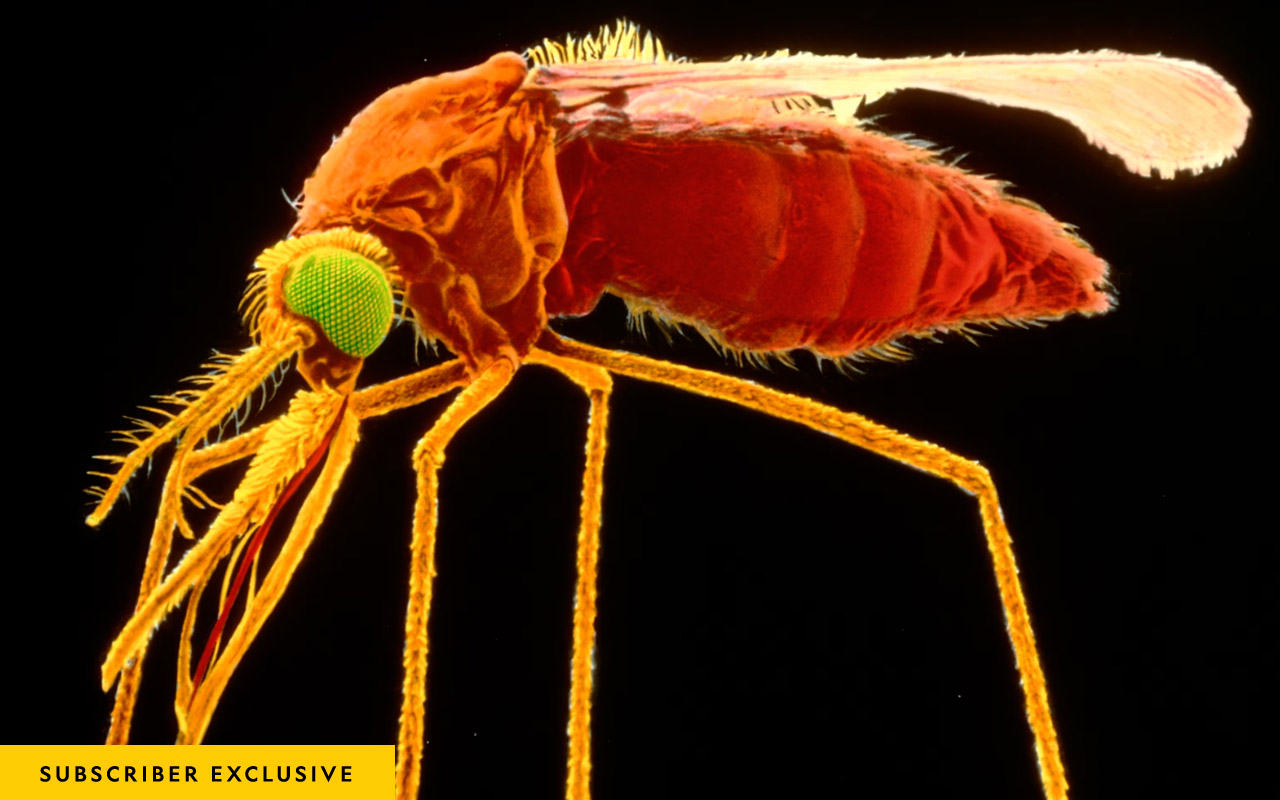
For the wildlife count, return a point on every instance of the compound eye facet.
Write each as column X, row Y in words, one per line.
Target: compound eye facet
column 346, row 294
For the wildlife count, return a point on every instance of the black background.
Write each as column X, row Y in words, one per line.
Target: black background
column 780, row 615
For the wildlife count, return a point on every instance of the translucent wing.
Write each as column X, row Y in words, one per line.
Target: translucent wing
column 1155, row 113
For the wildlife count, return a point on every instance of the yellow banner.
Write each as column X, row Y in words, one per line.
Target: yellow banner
column 224, row 771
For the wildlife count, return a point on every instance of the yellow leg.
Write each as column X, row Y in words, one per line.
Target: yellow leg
column 857, row 430
column 409, row 390
column 428, row 456
column 598, row 385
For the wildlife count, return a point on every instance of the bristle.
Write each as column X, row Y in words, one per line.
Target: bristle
column 625, row 41
column 230, row 380
column 264, row 287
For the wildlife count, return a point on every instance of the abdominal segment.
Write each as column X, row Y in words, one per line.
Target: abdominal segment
column 830, row 239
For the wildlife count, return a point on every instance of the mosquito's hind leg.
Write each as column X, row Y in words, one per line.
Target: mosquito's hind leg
column 857, row 430
column 428, row 456
column 598, row 385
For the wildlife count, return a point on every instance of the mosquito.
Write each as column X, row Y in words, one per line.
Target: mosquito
column 745, row 200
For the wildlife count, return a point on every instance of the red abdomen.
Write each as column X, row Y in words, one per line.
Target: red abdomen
column 832, row 239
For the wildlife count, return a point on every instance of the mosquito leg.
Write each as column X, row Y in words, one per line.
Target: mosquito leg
column 598, row 385
column 428, row 456
column 409, row 390
column 857, row 430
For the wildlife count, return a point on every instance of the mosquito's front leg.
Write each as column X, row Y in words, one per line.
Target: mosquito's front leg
column 409, row 390
column 598, row 386
column 862, row 432
column 428, row 456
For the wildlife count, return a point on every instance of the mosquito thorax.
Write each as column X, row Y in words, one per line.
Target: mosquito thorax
column 344, row 293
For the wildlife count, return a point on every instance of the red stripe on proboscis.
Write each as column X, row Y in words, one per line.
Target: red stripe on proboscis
column 259, row 536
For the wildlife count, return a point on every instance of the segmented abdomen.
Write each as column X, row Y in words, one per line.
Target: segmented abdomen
column 833, row 240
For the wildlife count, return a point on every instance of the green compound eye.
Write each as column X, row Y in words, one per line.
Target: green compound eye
column 346, row 294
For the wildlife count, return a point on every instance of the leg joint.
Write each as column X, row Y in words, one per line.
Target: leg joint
column 428, row 454
column 588, row 376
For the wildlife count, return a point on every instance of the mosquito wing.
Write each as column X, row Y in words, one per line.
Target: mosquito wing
column 1155, row 113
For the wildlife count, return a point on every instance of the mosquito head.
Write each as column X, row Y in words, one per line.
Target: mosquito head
column 338, row 283
column 343, row 292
